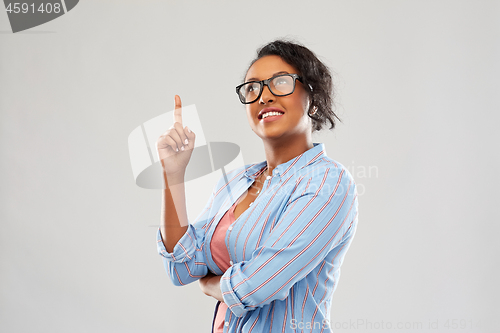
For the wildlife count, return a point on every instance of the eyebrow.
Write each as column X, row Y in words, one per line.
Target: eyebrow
column 277, row 73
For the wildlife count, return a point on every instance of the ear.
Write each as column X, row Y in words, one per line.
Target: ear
column 311, row 101
column 312, row 108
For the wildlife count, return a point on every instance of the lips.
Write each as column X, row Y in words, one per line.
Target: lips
column 269, row 110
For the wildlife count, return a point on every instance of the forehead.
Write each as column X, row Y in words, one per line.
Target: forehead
column 268, row 66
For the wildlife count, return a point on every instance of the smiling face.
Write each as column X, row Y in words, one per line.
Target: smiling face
column 288, row 121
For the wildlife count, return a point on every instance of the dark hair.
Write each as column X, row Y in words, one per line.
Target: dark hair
column 315, row 75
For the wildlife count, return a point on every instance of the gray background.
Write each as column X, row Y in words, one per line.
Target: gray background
column 416, row 84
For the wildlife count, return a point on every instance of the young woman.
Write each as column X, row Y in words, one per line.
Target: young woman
column 270, row 241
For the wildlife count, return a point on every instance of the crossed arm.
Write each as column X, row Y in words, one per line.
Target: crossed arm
column 210, row 285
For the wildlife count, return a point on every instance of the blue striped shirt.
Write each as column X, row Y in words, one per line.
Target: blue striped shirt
column 286, row 248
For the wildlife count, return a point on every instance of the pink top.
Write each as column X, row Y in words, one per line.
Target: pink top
column 221, row 258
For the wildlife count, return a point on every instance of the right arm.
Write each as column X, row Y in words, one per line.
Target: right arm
column 179, row 243
column 174, row 150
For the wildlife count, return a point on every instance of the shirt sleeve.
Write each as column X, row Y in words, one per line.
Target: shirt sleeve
column 319, row 217
column 186, row 263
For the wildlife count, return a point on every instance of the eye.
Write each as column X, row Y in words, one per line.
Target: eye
column 281, row 80
column 251, row 88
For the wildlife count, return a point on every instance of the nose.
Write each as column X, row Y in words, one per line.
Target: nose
column 267, row 96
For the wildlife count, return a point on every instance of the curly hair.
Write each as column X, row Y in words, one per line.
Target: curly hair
column 315, row 75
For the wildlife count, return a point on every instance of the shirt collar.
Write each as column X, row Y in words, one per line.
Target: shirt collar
column 296, row 163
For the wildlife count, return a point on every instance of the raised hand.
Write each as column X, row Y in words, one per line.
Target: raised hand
column 175, row 146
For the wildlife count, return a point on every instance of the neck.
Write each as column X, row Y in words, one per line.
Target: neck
column 279, row 152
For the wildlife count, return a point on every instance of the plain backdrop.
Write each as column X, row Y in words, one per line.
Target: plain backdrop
column 417, row 87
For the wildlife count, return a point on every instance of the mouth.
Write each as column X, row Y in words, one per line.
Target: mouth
column 270, row 112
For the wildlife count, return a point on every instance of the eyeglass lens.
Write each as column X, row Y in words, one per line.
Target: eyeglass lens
column 279, row 86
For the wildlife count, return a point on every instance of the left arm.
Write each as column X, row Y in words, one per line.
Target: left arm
column 210, row 285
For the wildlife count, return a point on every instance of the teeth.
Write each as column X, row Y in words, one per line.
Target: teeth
column 272, row 113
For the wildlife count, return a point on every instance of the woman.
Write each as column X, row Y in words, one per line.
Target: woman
column 270, row 241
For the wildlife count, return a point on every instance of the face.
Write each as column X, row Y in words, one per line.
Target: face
column 293, row 121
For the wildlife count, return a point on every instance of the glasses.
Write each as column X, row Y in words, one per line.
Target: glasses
column 279, row 85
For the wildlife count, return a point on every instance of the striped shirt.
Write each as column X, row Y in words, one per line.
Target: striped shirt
column 285, row 249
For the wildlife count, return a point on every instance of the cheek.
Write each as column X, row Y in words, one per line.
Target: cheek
column 249, row 112
column 301, row 102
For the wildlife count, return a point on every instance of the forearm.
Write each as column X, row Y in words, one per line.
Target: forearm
column 210, row 285
column 174, row 222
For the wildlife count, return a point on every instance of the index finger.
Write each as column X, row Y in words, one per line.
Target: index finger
column 178, row 110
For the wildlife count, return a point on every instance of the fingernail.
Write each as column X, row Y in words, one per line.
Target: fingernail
column 186, row 141
column 182, row 148
column 189, row 131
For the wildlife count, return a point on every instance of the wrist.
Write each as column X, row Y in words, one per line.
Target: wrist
column 173, row 178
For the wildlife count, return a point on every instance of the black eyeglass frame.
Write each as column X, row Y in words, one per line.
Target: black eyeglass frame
column 266, row 83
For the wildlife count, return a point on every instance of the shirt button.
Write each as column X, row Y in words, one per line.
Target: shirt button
column 251, row 203
column 226, row 323
column 230, row 227
column 231, row 262
column 268, row 177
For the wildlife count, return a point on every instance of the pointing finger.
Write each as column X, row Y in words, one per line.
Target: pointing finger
column 178, row 110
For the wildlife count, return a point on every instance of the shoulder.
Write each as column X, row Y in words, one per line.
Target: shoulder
column 326, row 173
column 326, row 166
